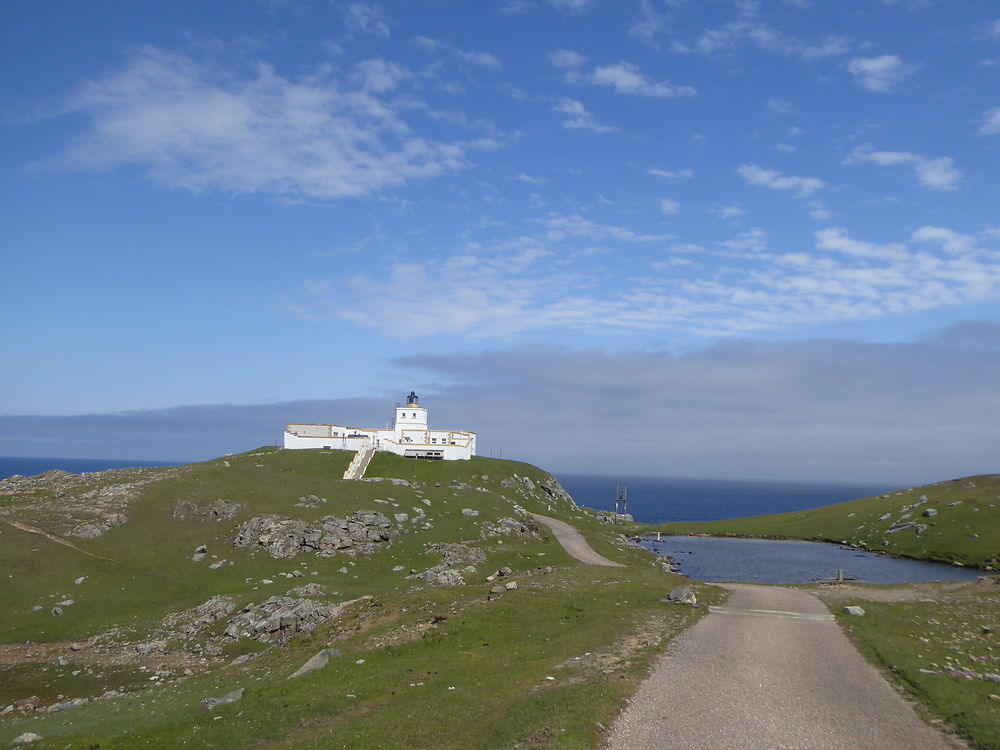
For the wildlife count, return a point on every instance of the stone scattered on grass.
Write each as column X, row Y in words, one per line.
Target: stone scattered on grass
column 318, row 661
column 209, row 703
column 853, row 610
column 26, row 738
column 682, row 595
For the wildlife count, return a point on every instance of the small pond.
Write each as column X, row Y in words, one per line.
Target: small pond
column 769, row 561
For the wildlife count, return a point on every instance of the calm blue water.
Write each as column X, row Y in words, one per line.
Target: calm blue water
column 659, row 500
column 28, row 467
column 769, row 561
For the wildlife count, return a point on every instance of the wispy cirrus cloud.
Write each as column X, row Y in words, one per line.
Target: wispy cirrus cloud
column 366, row 18
column 748, row 29
column 531, row 282
column 194, row 126
column 939, row 173
column 769, row 178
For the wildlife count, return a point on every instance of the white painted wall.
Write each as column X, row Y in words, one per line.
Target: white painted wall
column 409, row 432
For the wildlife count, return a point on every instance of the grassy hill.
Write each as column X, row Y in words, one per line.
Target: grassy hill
column 955, row 521
column 120, row 588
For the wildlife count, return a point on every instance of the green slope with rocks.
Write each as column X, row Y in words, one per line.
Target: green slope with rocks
column 956, row 521
column 136, row 600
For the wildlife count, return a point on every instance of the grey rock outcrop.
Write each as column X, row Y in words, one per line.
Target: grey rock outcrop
column 510, row 527
column 278, row 619
column 217, row 510
column 282, row 537
column 99, row 526
column 456, row 553
column 198, row 619
column 441, row 575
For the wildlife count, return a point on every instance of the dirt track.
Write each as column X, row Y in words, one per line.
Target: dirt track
column 573, row 542
column 770, row 669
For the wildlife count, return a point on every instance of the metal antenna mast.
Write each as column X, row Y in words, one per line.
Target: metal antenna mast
column 621, row 497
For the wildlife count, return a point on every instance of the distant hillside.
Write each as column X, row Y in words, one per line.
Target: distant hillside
column 954, row 521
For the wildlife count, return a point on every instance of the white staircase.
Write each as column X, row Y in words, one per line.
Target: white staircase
column 359, row 464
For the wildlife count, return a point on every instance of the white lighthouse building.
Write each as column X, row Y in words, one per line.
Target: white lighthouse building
column 410, row 436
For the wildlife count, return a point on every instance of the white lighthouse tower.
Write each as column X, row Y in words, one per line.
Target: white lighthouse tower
column 411, row 422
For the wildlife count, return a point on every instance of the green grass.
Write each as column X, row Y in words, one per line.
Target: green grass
column 495, row 653
column 967, row 532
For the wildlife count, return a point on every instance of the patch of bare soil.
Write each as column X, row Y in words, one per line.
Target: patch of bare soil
column 911, row 592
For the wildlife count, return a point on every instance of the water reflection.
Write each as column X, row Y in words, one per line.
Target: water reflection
column 769, row 561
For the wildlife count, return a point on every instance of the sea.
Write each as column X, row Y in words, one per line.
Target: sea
column 27, row 467
column 650, row 500
column 656, row 500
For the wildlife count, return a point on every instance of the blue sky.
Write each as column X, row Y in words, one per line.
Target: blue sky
column 250, row 204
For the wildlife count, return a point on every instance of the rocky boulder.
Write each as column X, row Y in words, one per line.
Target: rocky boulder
column 282, row 537
column 510, row 527
column 278, row 619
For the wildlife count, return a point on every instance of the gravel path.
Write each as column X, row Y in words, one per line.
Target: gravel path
column 769, row 670
column 573, row 542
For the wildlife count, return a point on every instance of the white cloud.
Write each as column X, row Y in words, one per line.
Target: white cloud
column 948, row 239
column 625, row 78
column 530, row 180
column 427, row 44
column 378, row 75
column 576, row 6
column 879, row 74
column 484, row 59
column 726, row 212
column 649, row 23
column 669, row 207
column 748, row 29
column 991, row 122
column 939, row 173
column 539, row 280
column 668, row 174
column 580, row 118
column 196, row 127
column 366, row 18
column 801, row 186
column 567, row 58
